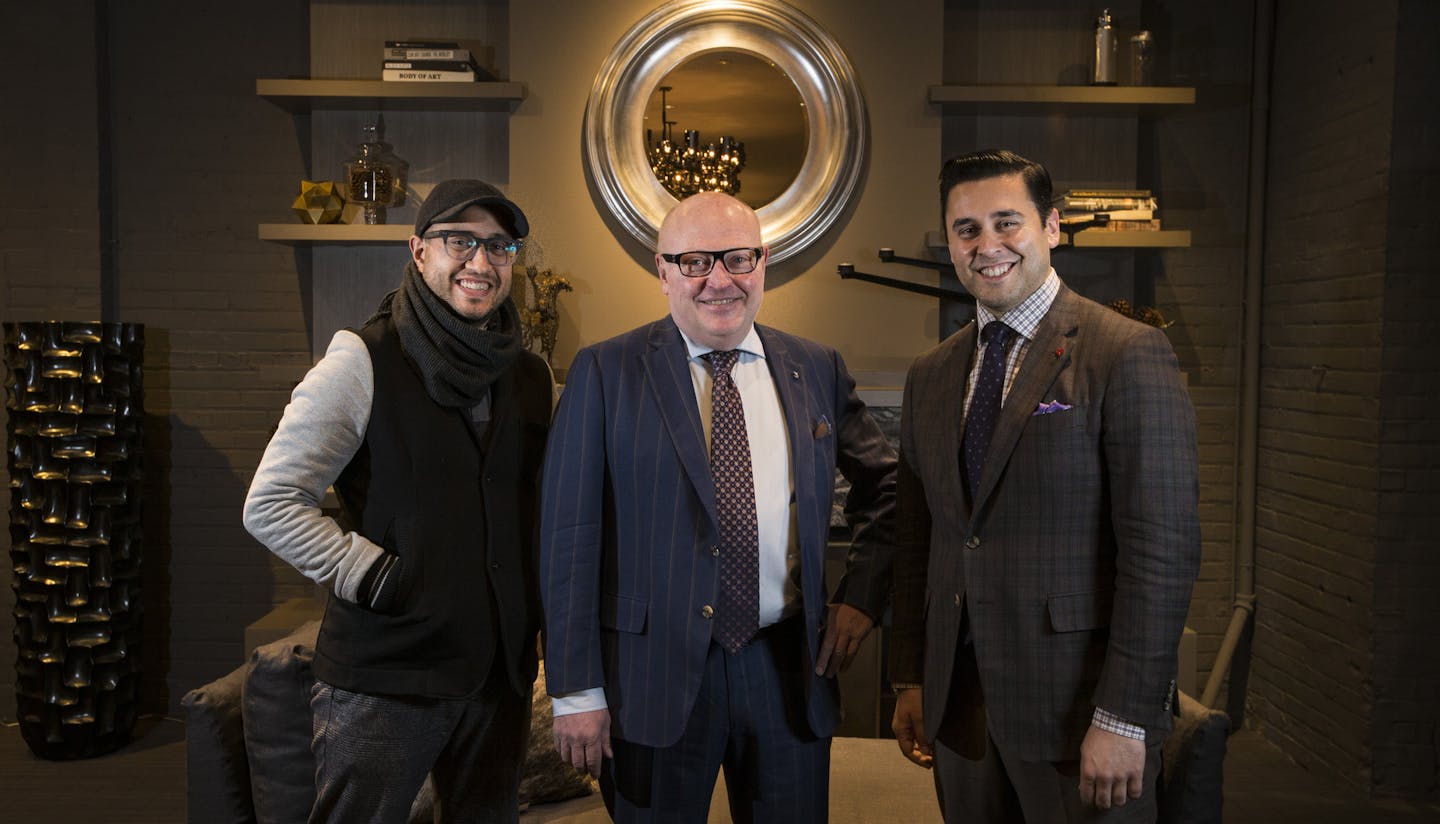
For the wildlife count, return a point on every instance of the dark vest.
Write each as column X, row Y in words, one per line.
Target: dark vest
column 460, row 507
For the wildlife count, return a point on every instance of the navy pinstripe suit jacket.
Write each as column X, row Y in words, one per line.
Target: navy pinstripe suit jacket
column 1077, row 560
column 628, row 519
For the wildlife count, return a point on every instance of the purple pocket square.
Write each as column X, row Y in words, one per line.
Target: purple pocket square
column 1047, row 407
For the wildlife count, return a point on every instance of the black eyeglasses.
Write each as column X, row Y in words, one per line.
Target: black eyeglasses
column 741, row 260
column 500, row 251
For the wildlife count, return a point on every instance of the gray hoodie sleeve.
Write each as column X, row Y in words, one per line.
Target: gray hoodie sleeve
column 322, row 428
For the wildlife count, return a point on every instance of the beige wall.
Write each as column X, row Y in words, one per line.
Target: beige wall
column 895, row 47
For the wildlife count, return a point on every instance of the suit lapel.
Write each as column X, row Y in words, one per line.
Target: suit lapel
column 667, row 367
column 947, row 431
column 790, row 379
column 1047, row 357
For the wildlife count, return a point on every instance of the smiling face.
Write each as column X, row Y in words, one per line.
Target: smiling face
column 999, row 242
column 473, row 288
column 716, row 310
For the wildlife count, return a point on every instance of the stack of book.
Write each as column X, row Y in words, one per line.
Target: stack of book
column 1115, row 210
column 430, row 61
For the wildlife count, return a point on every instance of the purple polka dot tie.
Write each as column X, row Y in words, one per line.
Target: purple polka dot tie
column 737, row 613
column 985, row 402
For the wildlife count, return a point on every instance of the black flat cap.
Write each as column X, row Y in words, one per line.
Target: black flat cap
column 451, row 197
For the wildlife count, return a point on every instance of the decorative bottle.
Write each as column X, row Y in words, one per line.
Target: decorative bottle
column 1105, row 51
column 1142, row 59
column 374, row 177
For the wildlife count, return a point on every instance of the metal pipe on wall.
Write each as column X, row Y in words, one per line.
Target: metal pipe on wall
column 1247, row 449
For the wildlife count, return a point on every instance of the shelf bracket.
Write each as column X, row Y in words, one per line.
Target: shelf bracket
column 847, row 272
column 887, row 255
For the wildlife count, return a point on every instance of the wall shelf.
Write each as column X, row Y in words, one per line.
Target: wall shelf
column 1118, row 100
column 1097, row 239
column 335, row 233
column 301, row 96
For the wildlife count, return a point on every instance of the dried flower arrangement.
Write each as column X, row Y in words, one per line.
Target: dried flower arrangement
column 540, row 315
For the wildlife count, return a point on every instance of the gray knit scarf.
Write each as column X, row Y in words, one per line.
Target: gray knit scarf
column 458, row 358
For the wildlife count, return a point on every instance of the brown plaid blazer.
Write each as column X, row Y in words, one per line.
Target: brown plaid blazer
column 1076, row 562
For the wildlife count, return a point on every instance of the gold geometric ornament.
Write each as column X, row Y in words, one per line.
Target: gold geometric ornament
column 319, row 202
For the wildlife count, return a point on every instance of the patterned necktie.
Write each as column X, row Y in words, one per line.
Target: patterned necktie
column 985, row 402
column 738, row 605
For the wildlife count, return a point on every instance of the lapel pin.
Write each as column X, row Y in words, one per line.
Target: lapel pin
column 1059, row 352
column 794, row 375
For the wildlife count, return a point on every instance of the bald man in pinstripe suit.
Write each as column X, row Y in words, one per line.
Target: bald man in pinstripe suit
column 646, row 695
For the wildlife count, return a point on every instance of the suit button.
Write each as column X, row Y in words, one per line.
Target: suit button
column 715, row 550
column 972, row 542
column 707, row 611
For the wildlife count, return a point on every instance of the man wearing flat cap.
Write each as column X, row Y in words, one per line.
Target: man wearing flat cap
column 430, row 423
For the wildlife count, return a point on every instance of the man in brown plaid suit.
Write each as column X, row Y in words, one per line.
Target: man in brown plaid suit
column 1048, row 533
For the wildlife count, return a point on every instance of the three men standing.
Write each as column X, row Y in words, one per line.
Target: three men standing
column 1046, row 545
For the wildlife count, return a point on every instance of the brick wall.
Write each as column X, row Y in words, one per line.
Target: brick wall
column 197, row 161
column 49, row 234
column 1199, row 158
column 49, row 217
column 1405, row 729
column 1323, row 342
column 200, row 162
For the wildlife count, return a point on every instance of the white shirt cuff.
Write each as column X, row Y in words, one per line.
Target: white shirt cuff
column 583, row 701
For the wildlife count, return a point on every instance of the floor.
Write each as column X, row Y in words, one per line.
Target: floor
column 145, row 783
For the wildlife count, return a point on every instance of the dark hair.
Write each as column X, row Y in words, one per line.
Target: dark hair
column 988, row 163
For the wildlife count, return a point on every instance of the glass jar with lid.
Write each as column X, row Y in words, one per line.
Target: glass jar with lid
column 375, row 176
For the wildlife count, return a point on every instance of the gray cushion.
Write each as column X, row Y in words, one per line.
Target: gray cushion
column 276, row 704
column 217, row 783
column 1194, row 771
column 278, row 729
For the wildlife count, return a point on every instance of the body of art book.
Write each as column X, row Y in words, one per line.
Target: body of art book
column 423, row 74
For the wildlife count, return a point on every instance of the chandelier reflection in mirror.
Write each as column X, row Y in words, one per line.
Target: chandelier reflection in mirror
column 686, row 168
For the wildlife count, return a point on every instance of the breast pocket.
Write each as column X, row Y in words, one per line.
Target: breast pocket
column 1050, row 428
column 1062, row 433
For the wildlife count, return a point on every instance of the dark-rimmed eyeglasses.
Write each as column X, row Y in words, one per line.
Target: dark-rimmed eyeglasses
column 500, row 251
column 741, row 260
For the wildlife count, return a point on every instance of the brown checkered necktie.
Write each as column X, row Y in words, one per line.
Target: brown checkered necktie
column 738, row 604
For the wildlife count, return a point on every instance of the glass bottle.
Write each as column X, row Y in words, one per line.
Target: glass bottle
column 1142, row 59
column 374, row 176
column 1105, row 49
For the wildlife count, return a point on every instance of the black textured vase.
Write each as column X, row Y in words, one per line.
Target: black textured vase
column 73, row 444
